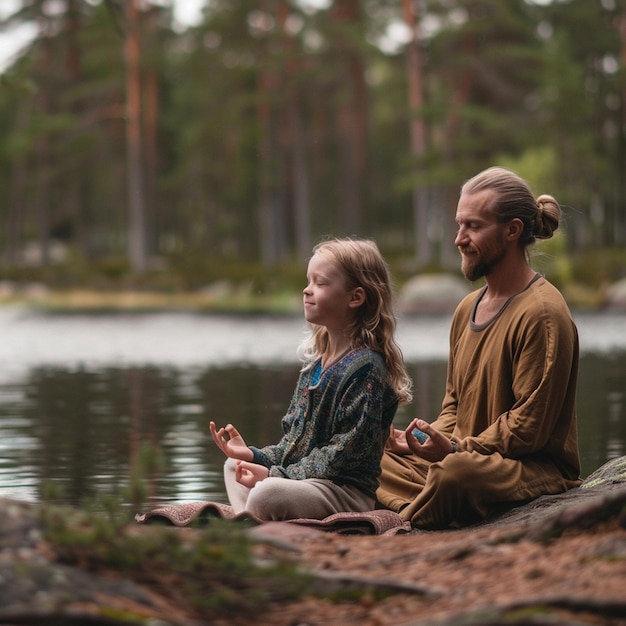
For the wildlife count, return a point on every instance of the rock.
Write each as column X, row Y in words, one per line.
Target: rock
column 36, row 291
column 615, row 299
column 432, row 293
column 36, row 588
column 612, row 472
column 519, row 562
column 218, row 289
column 557, row 560
column 7, row 289
column 604, row 489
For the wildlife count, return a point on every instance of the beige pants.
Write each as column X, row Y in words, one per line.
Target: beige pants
column 283, row 498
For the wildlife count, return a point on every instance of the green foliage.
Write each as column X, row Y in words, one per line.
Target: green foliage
column 214, row 569
column 550, row 258
column 599, row 267
column 49, row 491
column 538, row 165
column 150, row 461
column 267, row 136
column 112, row 267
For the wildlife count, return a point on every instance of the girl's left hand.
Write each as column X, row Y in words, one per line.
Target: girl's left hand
column 230, row 442
column 249, row 474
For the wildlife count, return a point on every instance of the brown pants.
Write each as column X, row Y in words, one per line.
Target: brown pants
column 463, row 488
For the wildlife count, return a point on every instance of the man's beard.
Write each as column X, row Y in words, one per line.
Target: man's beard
column 475, row 267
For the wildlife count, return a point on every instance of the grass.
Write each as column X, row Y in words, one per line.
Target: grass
column 92, row 301
column 249, row 288
column 213, row 570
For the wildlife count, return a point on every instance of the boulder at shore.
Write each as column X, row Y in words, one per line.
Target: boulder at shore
column 432, row 293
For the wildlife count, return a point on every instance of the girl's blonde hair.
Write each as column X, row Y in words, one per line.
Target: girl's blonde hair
column 374, row 324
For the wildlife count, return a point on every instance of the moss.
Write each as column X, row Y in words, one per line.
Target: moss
column 214, row 568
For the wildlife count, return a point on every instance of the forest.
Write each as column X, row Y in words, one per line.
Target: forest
column 132, row 147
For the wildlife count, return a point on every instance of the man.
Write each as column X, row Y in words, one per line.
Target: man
column 507, row 430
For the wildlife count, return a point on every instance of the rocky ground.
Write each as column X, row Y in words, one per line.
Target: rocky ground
column 556, row 569
column 558, row 560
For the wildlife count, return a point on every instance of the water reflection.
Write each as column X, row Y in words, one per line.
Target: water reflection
column 601, row 408
column 82, row 425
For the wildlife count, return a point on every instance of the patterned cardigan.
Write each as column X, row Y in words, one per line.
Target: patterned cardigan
column 337, row 429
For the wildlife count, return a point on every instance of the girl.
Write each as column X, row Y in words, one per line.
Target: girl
column 350, row 385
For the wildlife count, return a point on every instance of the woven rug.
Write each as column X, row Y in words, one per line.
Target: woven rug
column 187, row 513
column 200, row 513
column 378, row 522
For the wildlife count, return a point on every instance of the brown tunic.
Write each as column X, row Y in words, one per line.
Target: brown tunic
column 509, row 405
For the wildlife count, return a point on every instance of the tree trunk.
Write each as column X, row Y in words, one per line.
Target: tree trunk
column 460, row 82
column 17, row 193
column 42, row 146
column 351, row 119
column 272, row 216
column 268, row 236
column 13, row 222
column 76, row 203
column 150, row 127
column 136, row 196
column 417, row 131
column 620, row 212
column 300, row 176
column 295, row 144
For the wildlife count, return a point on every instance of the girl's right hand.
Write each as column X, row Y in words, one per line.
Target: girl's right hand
column 397, row 442
column 230, row 442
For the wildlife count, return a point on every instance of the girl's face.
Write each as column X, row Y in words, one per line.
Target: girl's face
column 326, row 300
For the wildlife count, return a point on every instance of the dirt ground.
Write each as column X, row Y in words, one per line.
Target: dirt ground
column 559, row 560
column 532, row 570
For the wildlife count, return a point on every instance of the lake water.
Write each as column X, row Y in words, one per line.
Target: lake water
column 83, row 398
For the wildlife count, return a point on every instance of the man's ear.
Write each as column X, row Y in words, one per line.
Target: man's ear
column 514, row 229
column 358, row 297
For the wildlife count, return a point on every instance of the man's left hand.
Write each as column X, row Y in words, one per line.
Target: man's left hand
column 435, row 448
